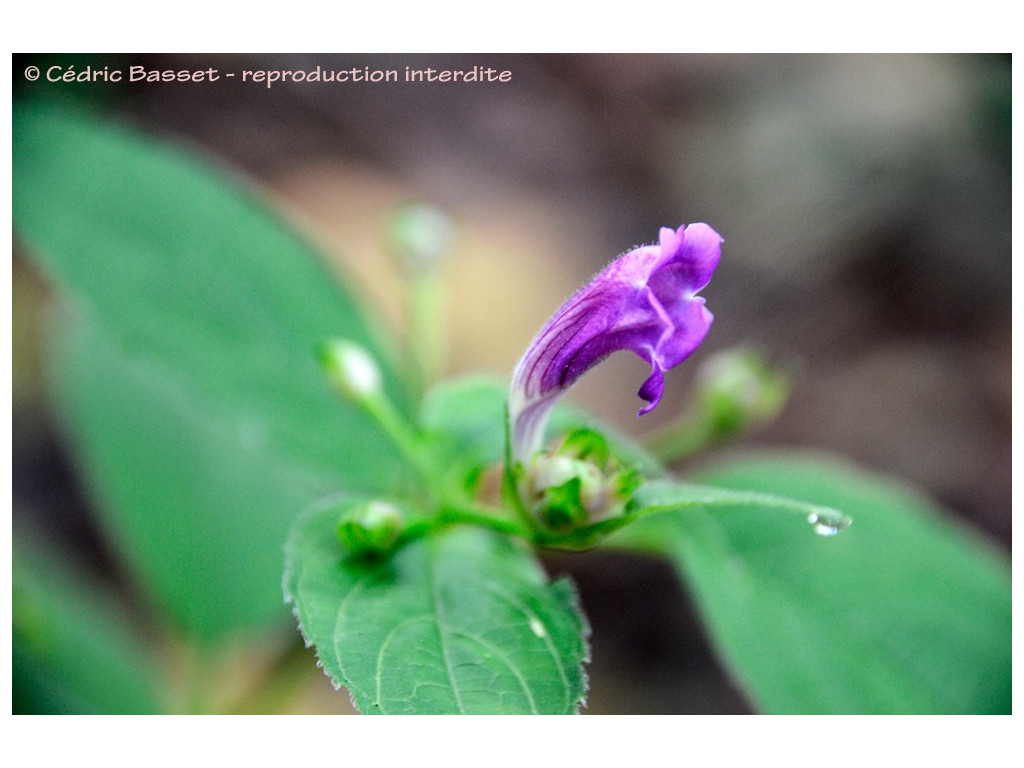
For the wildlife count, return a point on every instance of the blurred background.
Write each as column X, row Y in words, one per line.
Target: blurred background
column 865, row 206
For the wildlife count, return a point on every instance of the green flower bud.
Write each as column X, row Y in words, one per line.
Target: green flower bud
column 420, row 236
column 576, row 487
column 737, row 390
column 370, row 527
column 351, row 369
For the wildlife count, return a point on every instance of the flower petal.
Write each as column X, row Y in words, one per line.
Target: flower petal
column 652, row 389
column 645, row 301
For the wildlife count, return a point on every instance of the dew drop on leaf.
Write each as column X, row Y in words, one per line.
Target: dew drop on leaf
column 828, row 522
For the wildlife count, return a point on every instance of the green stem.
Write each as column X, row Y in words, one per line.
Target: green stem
column 456, row 516
column 425, row 298
column 402, row 436
column 451, row 515
column 509, row 482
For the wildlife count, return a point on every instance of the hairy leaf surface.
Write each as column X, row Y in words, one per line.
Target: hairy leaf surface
column 461, row 622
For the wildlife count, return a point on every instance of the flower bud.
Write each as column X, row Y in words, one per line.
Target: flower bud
column 420, row 236
column 351, row 369
column 577, row 485
column 369, row 527
column 738, row 390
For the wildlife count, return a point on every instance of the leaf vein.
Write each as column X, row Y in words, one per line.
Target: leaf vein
column 525, row 610
column 435, row 597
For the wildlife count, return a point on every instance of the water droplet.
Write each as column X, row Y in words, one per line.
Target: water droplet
column 537, row 627
column 828, row 522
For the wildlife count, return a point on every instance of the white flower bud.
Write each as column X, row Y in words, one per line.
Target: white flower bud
column 351, row 369
column 421, row 236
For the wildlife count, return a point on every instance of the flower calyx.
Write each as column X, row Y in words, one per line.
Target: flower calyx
column 576, row 492
column 369, row 527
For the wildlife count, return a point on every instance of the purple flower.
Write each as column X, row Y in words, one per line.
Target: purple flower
column 644, row 301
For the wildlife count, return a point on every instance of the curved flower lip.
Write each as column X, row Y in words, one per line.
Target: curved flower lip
column 645, row 301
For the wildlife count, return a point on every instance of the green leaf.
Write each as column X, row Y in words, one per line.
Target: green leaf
column 74, row 652
column 188, row 382
column 661, row 496
column 904, row 612
column 459, row 622
column 465, row 419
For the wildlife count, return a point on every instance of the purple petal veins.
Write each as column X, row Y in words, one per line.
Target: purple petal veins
column 644, row 301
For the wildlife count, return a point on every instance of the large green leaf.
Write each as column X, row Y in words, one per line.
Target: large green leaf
column 460, row 622
column 74, row 652
column 904, row 612
column 188, row 382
